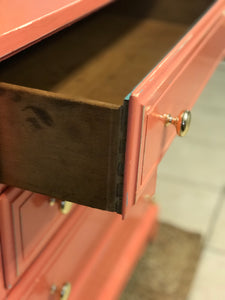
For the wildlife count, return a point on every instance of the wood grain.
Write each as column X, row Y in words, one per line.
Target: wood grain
column 103, row 57
column 65, row 148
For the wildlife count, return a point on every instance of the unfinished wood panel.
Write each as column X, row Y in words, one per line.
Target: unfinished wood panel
column 179, row 11
column 65, row 148
column 112, row 74
column 102, row 58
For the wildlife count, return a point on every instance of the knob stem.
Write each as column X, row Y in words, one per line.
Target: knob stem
column 181, row 123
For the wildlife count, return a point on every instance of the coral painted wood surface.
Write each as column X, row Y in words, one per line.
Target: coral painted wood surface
column 2, row 289
column 26, row 21
column 94, row 251
column 172, row 86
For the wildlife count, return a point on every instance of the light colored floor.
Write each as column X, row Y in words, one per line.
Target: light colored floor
column 191, row 186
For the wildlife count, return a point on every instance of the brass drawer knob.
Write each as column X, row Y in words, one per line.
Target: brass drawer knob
column 65, row 207
column 65, row 292
column 182, row 122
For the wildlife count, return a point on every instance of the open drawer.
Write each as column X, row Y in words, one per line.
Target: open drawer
column 66, row 130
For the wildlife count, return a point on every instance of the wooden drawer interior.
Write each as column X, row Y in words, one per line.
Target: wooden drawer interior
column 104, row 56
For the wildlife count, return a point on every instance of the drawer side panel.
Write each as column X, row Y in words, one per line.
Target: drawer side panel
column 60, row 147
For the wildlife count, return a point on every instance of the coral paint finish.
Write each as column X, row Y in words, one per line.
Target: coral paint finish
column 35, row 221
column 97, row 266
column 2, row 288
column 23, row 22
column 121, row 255
column 7, row 238
column 31, row 222
column 174, row 85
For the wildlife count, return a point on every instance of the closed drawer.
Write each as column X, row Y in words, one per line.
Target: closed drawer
column 28, row 224
column 88, row 253
column 101, row 150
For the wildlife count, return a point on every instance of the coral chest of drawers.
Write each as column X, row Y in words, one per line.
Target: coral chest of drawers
column 68, row 131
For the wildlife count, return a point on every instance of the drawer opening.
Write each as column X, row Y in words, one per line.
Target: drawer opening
column 104, row 56
column 78, row 154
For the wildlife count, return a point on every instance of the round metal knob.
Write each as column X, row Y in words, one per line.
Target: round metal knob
column 182, row 122
column 65, row 292
column 66, row 207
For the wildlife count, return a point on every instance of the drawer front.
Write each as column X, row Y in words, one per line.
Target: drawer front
column 88, row 253
column 30, row 21
column 172, row 87
column 71, row 248
column 33, row 222
column 2, row 288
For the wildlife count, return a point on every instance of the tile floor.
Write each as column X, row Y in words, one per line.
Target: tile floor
column 191, row 186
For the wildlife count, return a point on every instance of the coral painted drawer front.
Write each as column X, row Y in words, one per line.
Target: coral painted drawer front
column 2, row 289
column 34, row 222
column 169, row 90
column 92, row 253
